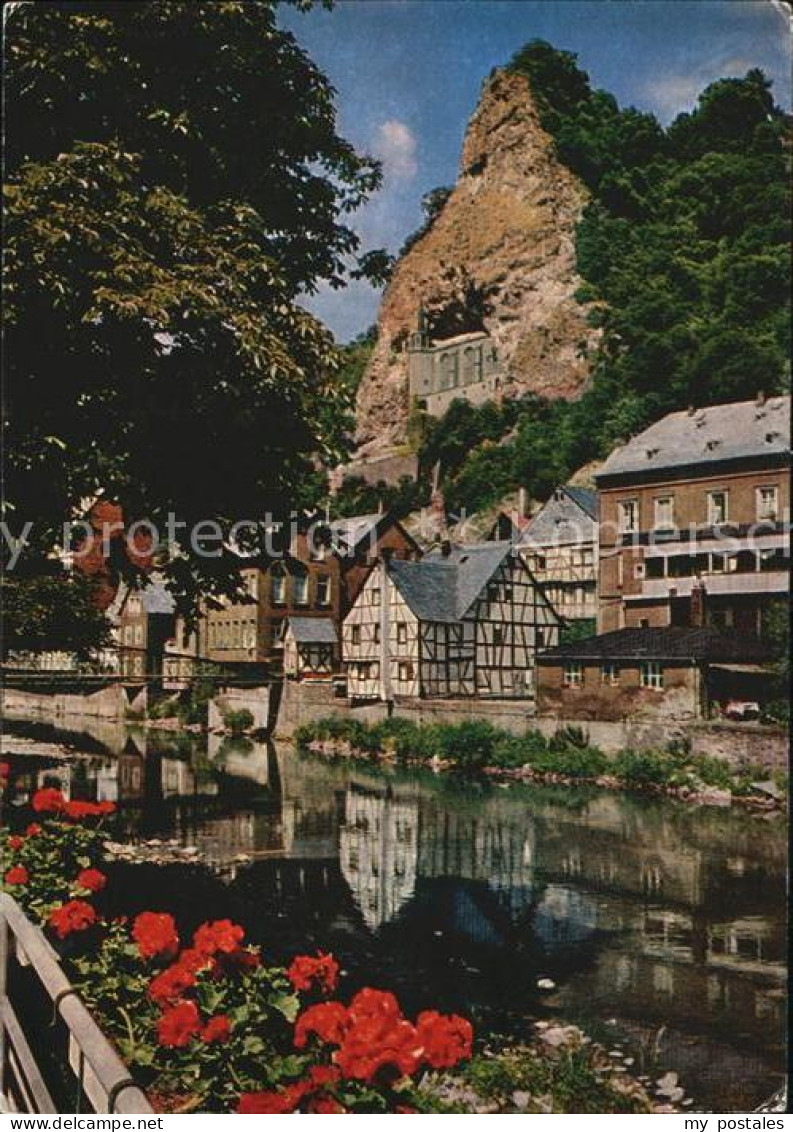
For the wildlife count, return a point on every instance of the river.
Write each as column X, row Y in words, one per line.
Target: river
column 660, row 925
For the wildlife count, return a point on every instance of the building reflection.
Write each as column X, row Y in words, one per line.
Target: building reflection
column 642, row 909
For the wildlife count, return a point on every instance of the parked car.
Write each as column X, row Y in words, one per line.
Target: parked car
column 742, row 710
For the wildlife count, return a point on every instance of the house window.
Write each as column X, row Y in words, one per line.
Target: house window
column 610, row 674
column 355, row 634
column 665, row 513
column 277, row 585
column 718, row 510
column 300, row 587
column 377, row 634
column 767, row 502
column 402, row 633
column 498, row 635
column 405, row 671
column 323, row 589
column 573, row 674
column 540, row 562
column 539, row 637
column 375, row 596
column 628, row 516
column 651, row 675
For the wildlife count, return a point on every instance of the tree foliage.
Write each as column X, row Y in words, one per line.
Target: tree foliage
column 51, row 612
column 176, row 183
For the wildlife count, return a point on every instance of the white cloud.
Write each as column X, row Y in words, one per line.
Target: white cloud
column 396, row 148
column 669, row 95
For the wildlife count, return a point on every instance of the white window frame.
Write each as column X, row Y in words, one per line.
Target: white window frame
column 610, row 673
column 573, row 674
column 667, row 523
column 628, row 511
column 324, row 589
column 301, row 587
column 651, row 675
column 713, row 521
column 761, row 512
column 402, row 633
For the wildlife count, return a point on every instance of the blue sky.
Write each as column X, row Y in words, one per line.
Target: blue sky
column 408, row 75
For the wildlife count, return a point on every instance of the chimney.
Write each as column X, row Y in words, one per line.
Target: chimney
column 697, row 606
column 523, row 503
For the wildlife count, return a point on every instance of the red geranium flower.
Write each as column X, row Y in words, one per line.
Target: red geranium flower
column 446, row 1038
column 178, row 1025
column 92, row 879
column 170, row 985
column 17, row 875
column 306, row 970
column 221, row 935
column 217, row 1029
column 383, row 1044
column 369, row 1003
column 270, row 1103
column 240, row 960
column 328, row 1020
column 325, row 1104
column 74, row 916
column 15, row 842
column 48, row 801
column 33, row 830
column 79, row 809
column 155, row 934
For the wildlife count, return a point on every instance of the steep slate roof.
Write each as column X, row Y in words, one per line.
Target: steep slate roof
column 313, row 630
column 568, row 516
column 444, row 587
column 353, row 529
column 671, row 642
column 710, row 435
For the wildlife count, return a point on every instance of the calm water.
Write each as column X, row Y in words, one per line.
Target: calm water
column 662, row 926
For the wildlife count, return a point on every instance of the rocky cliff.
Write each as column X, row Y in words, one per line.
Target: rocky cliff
column 500, row 257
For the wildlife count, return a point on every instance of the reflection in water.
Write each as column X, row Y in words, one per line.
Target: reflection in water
column 650, row 912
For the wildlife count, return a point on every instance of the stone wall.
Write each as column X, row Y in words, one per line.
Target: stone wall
column 737, row 743
column 111, row 702
column 254, row 700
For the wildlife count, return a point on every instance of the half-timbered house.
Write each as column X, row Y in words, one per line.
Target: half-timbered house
column 463, row 621
column 311, row 648
column 559, row 544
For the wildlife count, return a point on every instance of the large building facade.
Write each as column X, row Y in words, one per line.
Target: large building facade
column 560, row 546
column 319, row 575
column 464, row 366
column 695, row 520
column 464, row 621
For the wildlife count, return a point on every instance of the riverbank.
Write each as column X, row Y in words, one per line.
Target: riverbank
column 566, row 758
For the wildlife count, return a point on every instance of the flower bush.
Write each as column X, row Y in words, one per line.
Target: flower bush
column 204, row 1023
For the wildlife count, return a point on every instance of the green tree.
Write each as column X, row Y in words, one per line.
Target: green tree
column 176, row 183
column 51, row 612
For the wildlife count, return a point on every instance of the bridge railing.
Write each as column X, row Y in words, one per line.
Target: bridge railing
column 102, row 1082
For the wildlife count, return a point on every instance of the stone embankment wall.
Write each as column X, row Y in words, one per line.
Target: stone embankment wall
column 736, row 743
column 254, row 700
column 112, row 702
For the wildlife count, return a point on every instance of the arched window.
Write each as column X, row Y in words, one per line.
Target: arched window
column 300, row 586
column 472, row 365
column 278, row 584
column 448, row 363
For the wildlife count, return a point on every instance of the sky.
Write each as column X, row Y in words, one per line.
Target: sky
column 408, row 74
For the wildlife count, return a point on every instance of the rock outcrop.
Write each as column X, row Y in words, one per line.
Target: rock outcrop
column 501, row 251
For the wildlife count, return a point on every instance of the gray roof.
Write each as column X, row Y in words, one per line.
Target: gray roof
column 444, row 587
column 568, row 516
column 709, row 435
column 155, row 598
column 351, row 530
column 671, row 642
column 313, row 630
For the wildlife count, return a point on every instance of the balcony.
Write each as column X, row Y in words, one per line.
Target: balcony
column 750, row 582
